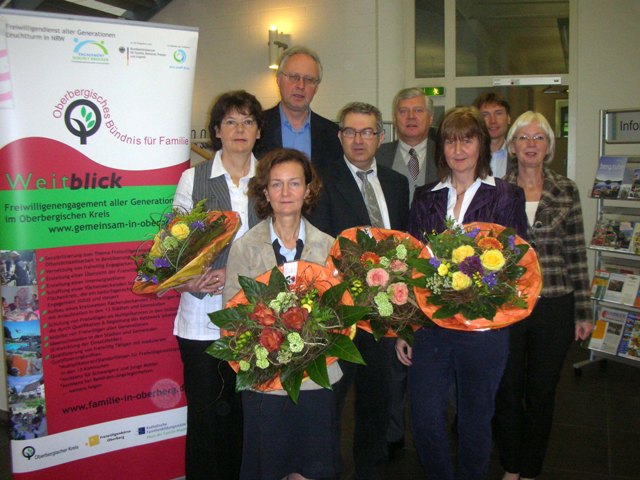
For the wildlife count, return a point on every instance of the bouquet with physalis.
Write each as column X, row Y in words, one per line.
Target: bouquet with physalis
column 479, row 276
column 379, row 266
column 186, row 243
column 279, row 331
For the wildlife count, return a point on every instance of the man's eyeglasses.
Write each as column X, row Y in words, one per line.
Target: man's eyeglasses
column 233, row 123
column 366, row 133
column 296, row 77
column 526, row 138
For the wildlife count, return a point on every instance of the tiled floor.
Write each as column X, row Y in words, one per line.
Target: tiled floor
column 596, row 432
column 595, row 435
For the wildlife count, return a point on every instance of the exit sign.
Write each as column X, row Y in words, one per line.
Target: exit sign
column 434, row 91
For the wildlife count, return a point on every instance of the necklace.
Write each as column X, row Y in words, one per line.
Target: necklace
column 462, row 193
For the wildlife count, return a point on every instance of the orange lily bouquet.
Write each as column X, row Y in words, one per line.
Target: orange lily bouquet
column 184, row 246
column 479, row 276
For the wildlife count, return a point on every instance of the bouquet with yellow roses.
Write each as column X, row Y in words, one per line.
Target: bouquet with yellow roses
column 479, row 276
column 184, row 246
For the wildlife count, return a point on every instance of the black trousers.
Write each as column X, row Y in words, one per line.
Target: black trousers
column 372, row 400
column 526, row 397
column 214, row 414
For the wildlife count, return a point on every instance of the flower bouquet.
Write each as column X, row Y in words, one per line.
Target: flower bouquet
column 278, row 330
column 480, row 276
column 183, row 247
column 379, row 266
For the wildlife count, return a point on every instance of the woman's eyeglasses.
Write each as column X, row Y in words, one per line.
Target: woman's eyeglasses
column 526, row 138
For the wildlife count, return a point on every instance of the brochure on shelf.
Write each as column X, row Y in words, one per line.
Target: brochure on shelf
column 613, row 293
column 613, row 234
column 634, row 245
column 630, row 341
column 617, row 177
column 630, row 187
column 612, row 266
column 599, row 284
column 608, row 330
column 630, row 290
column 614, row 287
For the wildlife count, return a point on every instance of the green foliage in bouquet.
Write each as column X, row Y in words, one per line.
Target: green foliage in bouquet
column 180, row 238
column 283, row 333
column 380, row 275
column 473, row 272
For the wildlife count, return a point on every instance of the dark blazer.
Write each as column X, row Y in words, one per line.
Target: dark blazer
column 386, row 154
column 502, row 204
column 342, row 206
column 325, row 145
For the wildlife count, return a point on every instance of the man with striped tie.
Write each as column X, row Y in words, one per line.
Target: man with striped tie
column 412, row 154
column 357, row 191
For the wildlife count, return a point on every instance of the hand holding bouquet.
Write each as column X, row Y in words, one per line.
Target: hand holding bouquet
column 277, row 331
column 184, row 246
column 479, row 276
column 379, row 267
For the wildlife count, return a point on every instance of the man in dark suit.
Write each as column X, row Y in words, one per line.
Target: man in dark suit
column 291, row 123
column 358, row 191
column 413, row 153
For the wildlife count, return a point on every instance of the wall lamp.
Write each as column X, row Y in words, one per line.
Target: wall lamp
column 278, row 43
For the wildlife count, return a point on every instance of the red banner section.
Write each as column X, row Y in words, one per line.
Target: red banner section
column 45, row 164
column 105, row 349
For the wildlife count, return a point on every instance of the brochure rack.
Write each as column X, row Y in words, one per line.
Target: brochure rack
column 615, row 286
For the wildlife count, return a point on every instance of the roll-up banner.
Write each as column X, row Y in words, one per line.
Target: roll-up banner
column 94, row 132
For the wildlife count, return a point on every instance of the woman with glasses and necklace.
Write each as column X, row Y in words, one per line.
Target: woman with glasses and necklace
column 214, row 412
column 475, row 360
column 539, row 343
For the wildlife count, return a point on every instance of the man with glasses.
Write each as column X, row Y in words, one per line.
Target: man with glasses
column 358, row 191
column 497, row 116
column 291, row 123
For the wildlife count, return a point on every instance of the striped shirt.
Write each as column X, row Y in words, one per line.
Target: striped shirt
column 557, row 234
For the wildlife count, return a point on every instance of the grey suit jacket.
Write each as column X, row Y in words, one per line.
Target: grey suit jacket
column 216, row 193
column 252, row 255
column 387, row 152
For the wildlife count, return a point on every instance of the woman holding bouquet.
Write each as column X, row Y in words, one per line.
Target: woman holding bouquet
column 475, row 360
column 214, row 411
column 283, row 439
column 539, row 343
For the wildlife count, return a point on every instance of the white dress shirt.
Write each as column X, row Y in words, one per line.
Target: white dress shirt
column 469, row 193
column 421, row 152
column 377, row 188
column 192, row 321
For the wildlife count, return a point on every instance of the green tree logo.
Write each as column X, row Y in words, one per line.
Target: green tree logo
column 82, row 118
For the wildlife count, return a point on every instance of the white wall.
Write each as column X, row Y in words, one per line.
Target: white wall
column 607, row 73
column 233, row 52
column 364, row 45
